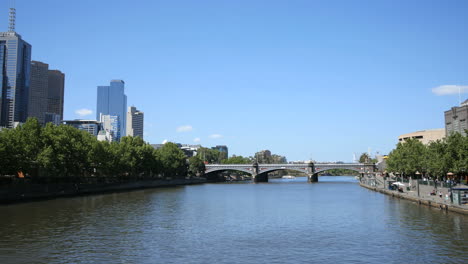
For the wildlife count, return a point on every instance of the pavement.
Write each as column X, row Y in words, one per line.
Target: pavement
column 442, row 193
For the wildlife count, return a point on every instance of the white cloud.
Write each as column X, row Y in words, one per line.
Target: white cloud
column 186, row 128
column 216, row 136
column 83, row 112
column 196, row 140
column 164, row 141
column 450, row 89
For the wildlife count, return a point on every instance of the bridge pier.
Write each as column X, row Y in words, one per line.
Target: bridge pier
column 313, row 177
column 260, row 177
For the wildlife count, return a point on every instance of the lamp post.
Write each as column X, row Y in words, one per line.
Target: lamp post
column 417, row 179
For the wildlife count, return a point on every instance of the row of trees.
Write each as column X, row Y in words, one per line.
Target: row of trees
column 411, row 158
column 211, row 155
column 66, row 152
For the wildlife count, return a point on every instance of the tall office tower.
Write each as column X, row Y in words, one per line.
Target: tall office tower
column 111, row 124
column 15, row 66
column 37, row 105
column 46, row 93
column 134, row 122
column 111, row 100
column 55, row 93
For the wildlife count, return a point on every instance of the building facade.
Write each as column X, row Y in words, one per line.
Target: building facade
column 37, row 105
column 456, row 119
column 425, row 136
column 135, row 120
column 15, row 64
column 46, row 93
column 55, row 92
column 112, row 101
column 111, row 124
column 91, row 126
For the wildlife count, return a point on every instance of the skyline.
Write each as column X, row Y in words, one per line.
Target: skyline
column 304, row 80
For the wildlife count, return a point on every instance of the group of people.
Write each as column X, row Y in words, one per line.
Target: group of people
column 434, row 192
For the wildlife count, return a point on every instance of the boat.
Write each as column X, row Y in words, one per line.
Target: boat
column 288, row 177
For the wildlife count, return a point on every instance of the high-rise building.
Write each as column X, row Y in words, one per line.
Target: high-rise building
column 37, row 104
column 46, row 93
column 111, row 124
column 15, row 66
column 134, row 122
column 456, row 119
column 55, row 92
column 111, row 100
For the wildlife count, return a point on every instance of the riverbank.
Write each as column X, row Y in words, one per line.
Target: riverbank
column 421, row 197
column 25, row 192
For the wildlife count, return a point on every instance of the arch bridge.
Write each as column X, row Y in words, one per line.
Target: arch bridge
column 259, row 172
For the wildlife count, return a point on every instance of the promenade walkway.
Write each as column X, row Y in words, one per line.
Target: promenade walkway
column 410, row 192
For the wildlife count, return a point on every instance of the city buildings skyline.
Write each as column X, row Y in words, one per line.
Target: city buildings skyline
column 319, row 71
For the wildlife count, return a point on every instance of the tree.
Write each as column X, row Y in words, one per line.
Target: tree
column 172, row 160
column 196, row 166
column 364, row 158
column 237, row 160
column 210, row 155
column 66, row 151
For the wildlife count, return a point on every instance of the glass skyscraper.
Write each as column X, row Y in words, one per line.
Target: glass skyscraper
column 111, row 100
column 15, row 66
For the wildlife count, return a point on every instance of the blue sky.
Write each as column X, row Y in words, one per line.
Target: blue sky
column 304, row 79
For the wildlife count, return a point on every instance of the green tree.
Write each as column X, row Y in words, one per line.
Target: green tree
column 196, row 166
column 66, row 151
column 237, row 160
column 172, row 160
column 210, row 155
column 436, row 163
column 19, row 147
column 364, row 158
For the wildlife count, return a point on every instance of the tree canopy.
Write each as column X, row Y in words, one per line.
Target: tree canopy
column 66, row 152
column 435, row 159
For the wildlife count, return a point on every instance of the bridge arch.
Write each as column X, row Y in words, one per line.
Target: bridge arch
column 351, row 169
column 248, row 170
column 304, row 171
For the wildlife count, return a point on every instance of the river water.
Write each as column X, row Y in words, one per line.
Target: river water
column 283, row 221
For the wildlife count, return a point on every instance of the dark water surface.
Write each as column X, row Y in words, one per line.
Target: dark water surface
column 283, row 221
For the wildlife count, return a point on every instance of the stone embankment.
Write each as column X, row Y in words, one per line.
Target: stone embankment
column 21, row 192
column 422, row 196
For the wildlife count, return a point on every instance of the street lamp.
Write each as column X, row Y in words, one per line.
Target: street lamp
column 417, row 179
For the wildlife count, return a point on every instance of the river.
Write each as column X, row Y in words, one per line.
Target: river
column 283, row 221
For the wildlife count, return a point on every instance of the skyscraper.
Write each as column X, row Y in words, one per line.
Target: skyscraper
column 111, row 100
column 55, row 92
column 134, row 122
column 37, row 105
column 46, row 93
column 15, row 65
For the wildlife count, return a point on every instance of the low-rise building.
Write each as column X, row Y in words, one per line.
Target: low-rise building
column 425, row 136
column 91, row 126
